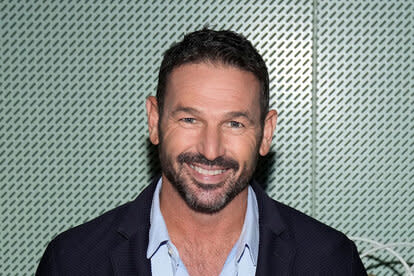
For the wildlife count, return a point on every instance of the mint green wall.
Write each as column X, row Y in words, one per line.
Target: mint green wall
column 73, row 142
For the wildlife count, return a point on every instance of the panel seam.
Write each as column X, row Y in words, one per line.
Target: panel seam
column 314, row 102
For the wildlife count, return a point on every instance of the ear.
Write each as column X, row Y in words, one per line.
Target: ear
column 268, row 129
column 153, row 116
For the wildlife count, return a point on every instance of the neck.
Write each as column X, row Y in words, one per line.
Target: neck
column 182, row 221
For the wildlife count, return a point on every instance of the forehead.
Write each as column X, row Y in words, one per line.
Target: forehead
column 212, row 86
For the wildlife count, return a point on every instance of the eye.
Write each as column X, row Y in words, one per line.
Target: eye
column 188, row 120
column 235, row 124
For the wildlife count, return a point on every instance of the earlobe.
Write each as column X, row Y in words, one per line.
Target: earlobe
column 151, row 105
column 268, row 130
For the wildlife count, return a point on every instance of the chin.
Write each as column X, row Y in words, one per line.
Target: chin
column 209, row 200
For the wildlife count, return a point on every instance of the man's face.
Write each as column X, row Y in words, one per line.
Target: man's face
column 210, row 133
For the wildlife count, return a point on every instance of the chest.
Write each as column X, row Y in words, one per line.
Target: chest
column 204, row 259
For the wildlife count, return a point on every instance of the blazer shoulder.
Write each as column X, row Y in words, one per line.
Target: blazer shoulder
column 92, row 229
column 74, row 250
column 90, row 244
column 298, row 225
column 319, row 247
column 129, row 216
column 309, row 230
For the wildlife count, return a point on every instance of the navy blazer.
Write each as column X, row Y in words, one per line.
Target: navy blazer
column 291, row 243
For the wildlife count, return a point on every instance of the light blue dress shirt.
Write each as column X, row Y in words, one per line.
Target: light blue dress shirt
column 165, row 260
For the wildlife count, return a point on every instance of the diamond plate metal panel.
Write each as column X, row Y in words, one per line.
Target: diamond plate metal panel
column 365, row 134
column 73, row 78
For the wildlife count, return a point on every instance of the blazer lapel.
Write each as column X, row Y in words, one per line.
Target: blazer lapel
column 129, row 255
column 275, row 254
column 276, row 246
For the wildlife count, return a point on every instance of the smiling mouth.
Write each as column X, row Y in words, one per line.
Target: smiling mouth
column 207, row 171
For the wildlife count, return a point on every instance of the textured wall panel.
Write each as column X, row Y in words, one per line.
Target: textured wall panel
column 73, row 79
column 365, row 134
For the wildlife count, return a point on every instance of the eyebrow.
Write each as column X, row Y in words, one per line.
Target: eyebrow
column 186, row 110
column 243, row 114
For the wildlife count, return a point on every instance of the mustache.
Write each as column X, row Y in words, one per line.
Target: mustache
column 221, row 161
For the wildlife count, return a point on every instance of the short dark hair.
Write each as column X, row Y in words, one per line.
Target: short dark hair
column 224, row 46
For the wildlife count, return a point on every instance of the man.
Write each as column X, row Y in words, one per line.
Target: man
column 205, row 215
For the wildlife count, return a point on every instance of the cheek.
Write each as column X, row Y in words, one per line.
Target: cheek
column 177, row 139
column 243, row 147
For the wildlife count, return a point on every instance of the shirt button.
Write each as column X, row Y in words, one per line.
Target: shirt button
column 170, row 252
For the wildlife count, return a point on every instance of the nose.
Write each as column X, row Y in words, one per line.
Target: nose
column 211, row 143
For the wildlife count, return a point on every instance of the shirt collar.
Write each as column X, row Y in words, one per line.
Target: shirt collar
column 249, row 237
column 158, row 233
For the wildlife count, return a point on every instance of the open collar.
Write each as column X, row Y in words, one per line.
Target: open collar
column 276, row 246
column 158, row 232
column 249, row 236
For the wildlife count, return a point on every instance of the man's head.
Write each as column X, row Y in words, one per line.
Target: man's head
column 210, row 119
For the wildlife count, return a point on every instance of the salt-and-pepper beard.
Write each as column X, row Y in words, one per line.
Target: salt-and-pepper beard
column 180, row 180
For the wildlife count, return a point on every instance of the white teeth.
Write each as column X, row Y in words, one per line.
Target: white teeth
column 207, row 172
